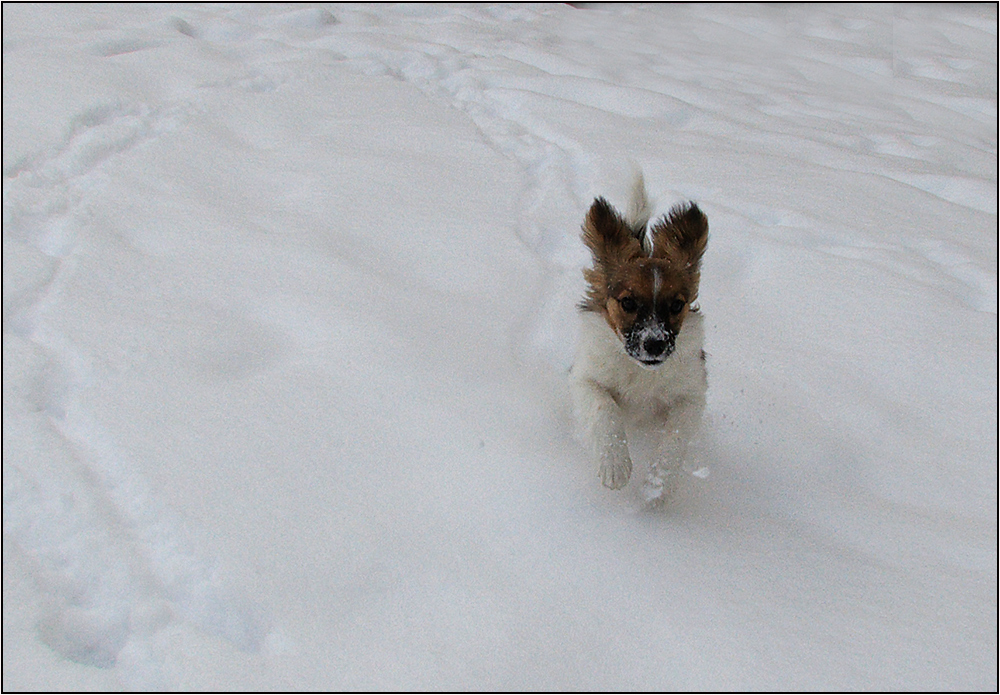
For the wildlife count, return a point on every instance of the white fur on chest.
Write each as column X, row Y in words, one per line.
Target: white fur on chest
column 641, row 392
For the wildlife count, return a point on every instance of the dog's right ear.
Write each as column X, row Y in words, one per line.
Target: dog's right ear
column 608, row 236
column 681, row 235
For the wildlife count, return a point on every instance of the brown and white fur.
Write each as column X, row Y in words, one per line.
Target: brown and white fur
column 640, row 362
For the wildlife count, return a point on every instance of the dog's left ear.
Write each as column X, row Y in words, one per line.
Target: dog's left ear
column 608, row 236
column 681, row 235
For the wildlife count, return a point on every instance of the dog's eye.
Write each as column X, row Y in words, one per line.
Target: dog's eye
column 628, row 305
column 677, row 306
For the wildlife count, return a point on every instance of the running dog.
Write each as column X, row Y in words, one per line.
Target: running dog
column 640, row 362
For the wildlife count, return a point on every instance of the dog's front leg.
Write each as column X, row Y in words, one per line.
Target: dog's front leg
column 680, row 427
column 602, row 425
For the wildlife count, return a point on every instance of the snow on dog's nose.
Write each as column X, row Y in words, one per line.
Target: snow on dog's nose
column 650, row 342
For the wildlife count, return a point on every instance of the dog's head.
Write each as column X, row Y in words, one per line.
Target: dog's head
column 644, row 286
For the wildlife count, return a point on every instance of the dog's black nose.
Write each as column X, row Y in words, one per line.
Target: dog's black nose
column 654, row 348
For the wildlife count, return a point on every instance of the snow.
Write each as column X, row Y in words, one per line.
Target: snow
column 288, row 303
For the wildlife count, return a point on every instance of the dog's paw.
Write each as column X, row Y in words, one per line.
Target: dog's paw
column 616, row 470
column 658, row 487
column 653, row 494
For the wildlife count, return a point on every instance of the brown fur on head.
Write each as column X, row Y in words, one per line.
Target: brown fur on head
column 644, row 293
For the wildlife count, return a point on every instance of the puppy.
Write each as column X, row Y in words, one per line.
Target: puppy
column 640, row 362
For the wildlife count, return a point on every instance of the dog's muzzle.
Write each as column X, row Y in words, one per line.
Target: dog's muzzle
column 650, row 344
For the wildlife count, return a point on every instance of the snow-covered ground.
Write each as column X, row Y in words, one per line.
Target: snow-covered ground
column 288, row 303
